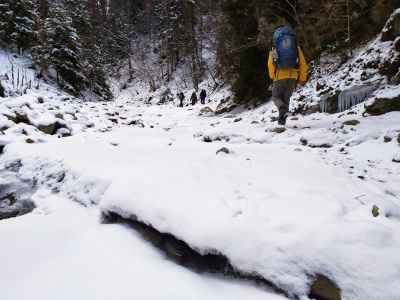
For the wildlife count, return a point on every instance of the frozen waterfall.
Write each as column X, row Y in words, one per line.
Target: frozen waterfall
column 351, row 97
column 346, row 98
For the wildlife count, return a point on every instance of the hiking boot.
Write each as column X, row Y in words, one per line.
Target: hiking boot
column 283, row 114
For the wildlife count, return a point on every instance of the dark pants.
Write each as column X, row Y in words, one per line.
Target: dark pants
column 282, row 90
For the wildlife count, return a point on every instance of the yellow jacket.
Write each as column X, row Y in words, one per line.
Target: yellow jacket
column 283, row 74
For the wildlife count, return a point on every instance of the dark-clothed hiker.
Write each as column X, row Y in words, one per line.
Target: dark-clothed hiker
column 193, row 98
column 203, row 96
column 181, row 97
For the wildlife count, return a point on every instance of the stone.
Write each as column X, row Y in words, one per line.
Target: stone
column 225, row 106
column 279, row 129
column 223, row 149
column 12, row 118
column 59, row 116
column 375, row 211
column 392, row 28
column 22, row 118
column 205, row 112
column 382, row 106
column 324, row 288
column 387, row 139
column 351, row 122
column 48, row 129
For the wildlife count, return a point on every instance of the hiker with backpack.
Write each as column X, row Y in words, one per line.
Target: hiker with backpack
column 203, row 96
column 193, row 98
column 286, row 64
column 181, row 96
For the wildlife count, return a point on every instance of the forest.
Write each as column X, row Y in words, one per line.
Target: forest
column 80, row 44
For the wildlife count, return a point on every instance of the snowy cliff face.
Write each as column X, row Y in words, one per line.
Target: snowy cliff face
column 339, row 86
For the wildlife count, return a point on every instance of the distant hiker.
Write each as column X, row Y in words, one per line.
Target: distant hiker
column 193, row 98
column 203, row 96
column 181, row 96
column 284, row 59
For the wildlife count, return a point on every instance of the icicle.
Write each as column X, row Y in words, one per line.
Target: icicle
column 323, row 103
column 354, row 96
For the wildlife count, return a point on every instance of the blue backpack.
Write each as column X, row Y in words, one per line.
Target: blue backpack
column 285, row 43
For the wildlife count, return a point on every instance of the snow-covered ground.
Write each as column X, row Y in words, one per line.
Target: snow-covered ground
column 286, row 206
column 273, row 206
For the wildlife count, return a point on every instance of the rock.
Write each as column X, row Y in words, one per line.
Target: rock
column 382, row 106
column 375, row 211
column 12, row 118
column 312, row 109
column 279, row 129
column 237, row 120
column 138, row 122
column 48, row 129
column 223, row 149
column 255, row 122
column 63, row 132
column 59, row 116
column 206, row 112
column 274, row 119
column 225, row 106
column 323, row 145
column 387, row 139
column 324, row 288
column 22, row 118
column 351, row 122
column 390, row 66
column 392, row 28
column 396, row 159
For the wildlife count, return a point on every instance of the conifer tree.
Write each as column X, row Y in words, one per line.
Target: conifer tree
column 59, row 46
column 17, row 23
column 93, row 52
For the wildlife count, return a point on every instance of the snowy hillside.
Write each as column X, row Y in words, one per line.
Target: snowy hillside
column 317, row 198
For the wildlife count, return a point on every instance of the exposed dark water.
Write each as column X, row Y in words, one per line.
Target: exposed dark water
column 15, row 195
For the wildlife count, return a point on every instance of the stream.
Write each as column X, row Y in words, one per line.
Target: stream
column 15, row 195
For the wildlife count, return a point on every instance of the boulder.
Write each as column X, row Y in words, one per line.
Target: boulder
column 382, row 106
column 205, row 112
column 52, row 128
column 324, row 288
column 22, row 118
column 12, row 117
column 392, row 28
column 48, row 129
column 225, row 106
